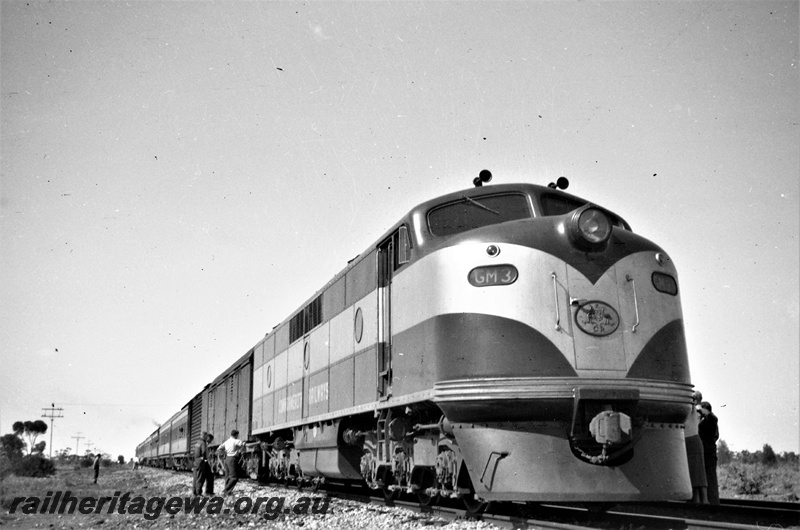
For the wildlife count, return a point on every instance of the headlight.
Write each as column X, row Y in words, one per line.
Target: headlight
column 594, row 226
column 591, row 228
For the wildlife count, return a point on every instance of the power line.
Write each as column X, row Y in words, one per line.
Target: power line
column 124, row 404
column 77, row 439
column 51, row 413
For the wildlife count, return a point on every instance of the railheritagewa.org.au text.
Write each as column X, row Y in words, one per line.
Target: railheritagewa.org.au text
column 153, row 507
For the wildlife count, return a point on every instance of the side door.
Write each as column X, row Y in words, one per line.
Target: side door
column 392, row 253
column 385, row 259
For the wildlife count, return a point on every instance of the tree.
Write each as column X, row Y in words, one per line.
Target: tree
column 30, row 429
column 724, row 454
column 12, row 459
column 121, row 460
column 746, row 457
column 768, row 457
column 12, row 446
column 789, row 457
column 38, row 449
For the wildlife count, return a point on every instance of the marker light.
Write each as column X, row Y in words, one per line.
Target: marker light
column 665, row 283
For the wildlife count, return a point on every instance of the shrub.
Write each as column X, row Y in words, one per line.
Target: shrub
column 6, row 466
column 768, row 456
column 34, row 466
column 748, row 480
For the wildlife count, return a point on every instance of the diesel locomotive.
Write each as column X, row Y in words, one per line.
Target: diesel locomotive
column 506, row 342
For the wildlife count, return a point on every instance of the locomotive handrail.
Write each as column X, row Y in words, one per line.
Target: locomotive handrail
column 555, row 298
column 635, row 302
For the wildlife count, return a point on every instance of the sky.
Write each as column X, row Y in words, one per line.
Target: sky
column 177, row 177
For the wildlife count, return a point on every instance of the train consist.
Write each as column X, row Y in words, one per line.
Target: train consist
column 505, row 342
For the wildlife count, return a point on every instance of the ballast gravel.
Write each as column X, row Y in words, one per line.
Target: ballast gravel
column 279, row 508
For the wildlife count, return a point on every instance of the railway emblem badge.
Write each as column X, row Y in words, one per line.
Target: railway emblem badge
column 597, row 318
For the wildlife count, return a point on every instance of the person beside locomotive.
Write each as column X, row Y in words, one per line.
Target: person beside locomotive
column 694, row 453
column 709, row 434
column 201, row 470
column 232, row 449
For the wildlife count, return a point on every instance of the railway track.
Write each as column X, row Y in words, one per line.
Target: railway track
column 731, row 514
column 759, row 514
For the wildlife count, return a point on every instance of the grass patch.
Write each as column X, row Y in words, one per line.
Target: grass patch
column 77, row 481
column 758, row 481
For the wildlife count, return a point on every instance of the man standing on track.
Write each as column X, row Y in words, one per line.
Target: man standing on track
column 709, row 434
column 694, row 453
column 233, row 448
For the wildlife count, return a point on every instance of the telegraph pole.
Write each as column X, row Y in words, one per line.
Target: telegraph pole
column 77, row 439
column 51, row 413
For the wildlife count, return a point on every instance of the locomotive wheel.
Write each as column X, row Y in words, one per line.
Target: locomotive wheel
column 426, row 499
column 252, row 467
column 474, row 506
column 390, row 495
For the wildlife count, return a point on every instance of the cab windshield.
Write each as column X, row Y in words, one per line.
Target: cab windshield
column 552, row 204
column 474, row 212
column 557, row 205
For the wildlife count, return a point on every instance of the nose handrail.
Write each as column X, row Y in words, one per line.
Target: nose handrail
column 555, row 298
column 635, row 302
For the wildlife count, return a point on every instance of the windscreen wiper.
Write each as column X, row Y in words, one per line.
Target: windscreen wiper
column 479, row 205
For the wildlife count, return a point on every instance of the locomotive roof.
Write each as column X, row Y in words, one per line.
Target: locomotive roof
column 493, row 189
column 244, row 359
column 420, row 210
column 175, row 416
column 531, row 189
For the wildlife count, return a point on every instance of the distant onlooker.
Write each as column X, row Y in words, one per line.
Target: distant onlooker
column 709, row 434
column 694, row 453
column 96, row 466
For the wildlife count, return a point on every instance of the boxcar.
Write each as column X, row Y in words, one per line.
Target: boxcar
column 226, row 403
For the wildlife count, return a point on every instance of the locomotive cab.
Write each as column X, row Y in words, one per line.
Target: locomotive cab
column 556, row 343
